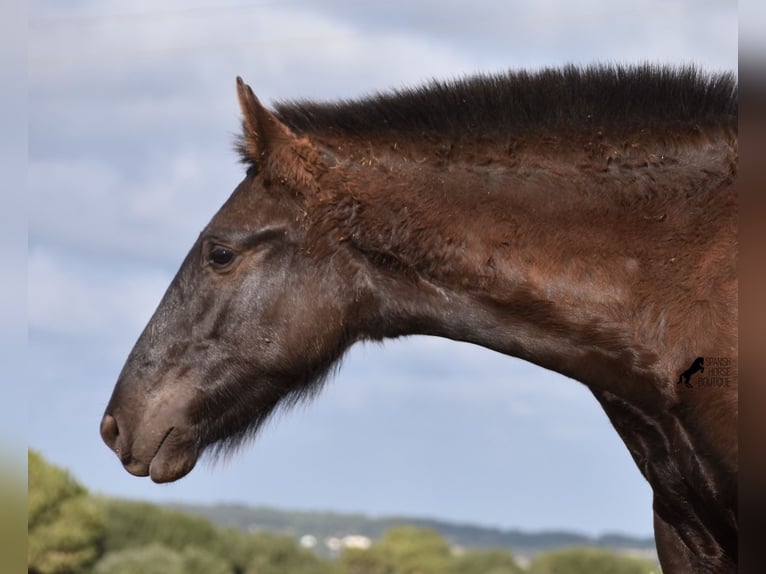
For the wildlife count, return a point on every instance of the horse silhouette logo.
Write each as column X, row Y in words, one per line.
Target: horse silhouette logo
column 698, row 366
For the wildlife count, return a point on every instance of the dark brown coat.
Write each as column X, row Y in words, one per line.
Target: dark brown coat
column 582, row 219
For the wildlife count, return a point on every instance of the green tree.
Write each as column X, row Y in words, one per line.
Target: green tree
column 198, row 561
column 137, row 524
column 133, row 524
column 416, row 550
column 402, row 550
column 65, row 526
column 358, row 561
column 151, row 559
column 489, row 562
column 274, row 554
column 589, row 561
column 159, row 559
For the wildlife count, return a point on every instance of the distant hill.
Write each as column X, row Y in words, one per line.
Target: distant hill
column 324, row 525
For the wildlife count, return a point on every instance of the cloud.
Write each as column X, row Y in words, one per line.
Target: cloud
column 69, row 300
column 98, row 209
column 497, row 35
column 160, row 54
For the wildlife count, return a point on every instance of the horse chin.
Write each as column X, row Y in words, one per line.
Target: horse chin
column 175, row 457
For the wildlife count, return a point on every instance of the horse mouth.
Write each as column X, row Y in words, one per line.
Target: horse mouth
column 161, row 443
column 173, row 458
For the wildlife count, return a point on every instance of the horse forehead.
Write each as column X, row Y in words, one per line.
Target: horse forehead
column 251, row 206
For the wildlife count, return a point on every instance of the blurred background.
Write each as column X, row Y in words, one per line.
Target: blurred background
column 132, row 115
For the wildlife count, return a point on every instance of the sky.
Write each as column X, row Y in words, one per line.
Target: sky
column 132, row 115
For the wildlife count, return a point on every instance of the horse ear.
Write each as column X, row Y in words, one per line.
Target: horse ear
column 271, row 146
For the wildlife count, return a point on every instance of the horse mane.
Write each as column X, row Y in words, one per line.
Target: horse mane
column 567, row 99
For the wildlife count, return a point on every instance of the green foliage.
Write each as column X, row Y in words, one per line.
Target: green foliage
column 326, row 524
column 13, row 514
column 415, row 550
column 402, row 550
column 490, row 562
column 589, row 561
column 151, row 559
column 410, row 550
column 158, row 559
column 137, row 524
column 70, row 531
column 197, row 561
column 131, row 524
column 373, row 561
column 65, row 526
column 273, row 554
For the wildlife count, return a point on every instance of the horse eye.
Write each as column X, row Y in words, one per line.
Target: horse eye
column 221, row 257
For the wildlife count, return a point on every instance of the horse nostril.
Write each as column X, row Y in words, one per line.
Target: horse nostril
column 110, row 432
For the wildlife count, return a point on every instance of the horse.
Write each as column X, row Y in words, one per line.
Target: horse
column 580, row 218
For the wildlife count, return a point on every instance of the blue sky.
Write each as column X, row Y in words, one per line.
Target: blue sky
column 132, row 114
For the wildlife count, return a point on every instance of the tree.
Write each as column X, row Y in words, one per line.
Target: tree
column 198, row 561
column 66, row 527
column 273, row 554
column 159, row 559
column 416, row 550
column 402, row 550
column 132, row 524
column 150, row 559
column 137, row 524
column 489, row 562
column 371, row 561
column 589, row 561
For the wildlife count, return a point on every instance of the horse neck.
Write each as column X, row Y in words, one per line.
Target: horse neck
column 543, row 261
